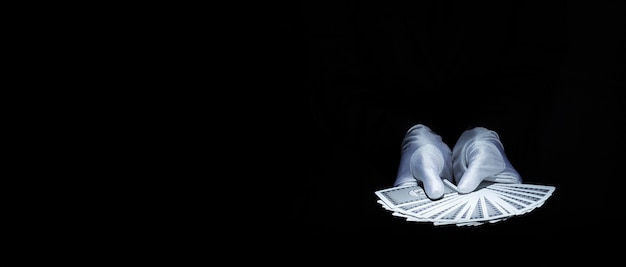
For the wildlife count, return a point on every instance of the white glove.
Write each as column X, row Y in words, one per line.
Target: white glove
column 477, row 156
column 424, row 158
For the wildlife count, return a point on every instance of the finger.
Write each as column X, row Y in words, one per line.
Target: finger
column 426, row 165
column 483, row 160
column 432, row 183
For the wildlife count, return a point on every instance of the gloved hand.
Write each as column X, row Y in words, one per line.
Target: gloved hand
column 477, row 156
column 424, row 158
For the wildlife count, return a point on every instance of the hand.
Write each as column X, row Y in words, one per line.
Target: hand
column 477, row 156
column 424, row 158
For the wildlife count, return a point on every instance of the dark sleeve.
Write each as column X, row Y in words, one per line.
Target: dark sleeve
column 528, row 66
column 526, row 76
column 376, row 75
column 352, row 102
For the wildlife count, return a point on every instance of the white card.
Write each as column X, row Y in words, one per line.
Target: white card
column 489, row 203
column 403, row 195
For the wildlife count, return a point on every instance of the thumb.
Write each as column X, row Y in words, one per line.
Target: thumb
column 427, row 163
column 483, row 159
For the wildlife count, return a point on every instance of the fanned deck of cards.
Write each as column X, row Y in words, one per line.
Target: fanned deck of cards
column 489, row 203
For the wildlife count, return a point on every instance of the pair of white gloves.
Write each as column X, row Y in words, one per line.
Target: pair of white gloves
column 477, row 156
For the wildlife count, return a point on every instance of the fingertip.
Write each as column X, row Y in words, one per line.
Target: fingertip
column 434, row 190
column 466, row 187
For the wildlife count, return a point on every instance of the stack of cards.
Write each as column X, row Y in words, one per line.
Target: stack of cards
column 490, row 202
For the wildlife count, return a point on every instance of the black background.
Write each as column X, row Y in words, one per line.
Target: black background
column 584, row 154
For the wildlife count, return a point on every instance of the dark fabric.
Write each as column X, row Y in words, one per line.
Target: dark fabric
column 545, row 75
column 388, row 66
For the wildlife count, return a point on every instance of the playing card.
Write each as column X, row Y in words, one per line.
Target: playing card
column 489, row 203
column 526, row 196
column 434, row 209
column 403, row 195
